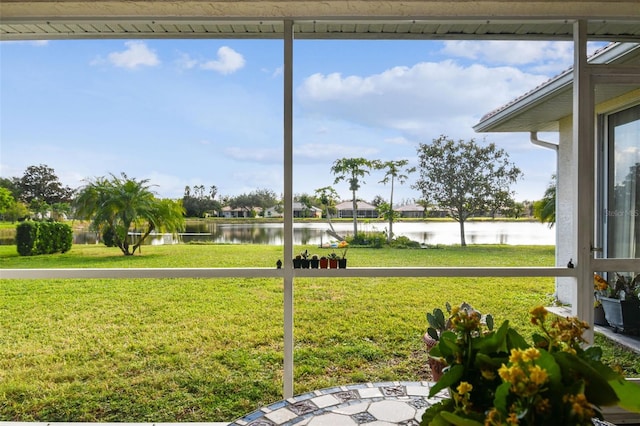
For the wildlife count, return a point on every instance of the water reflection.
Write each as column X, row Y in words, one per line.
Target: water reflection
column 430, row 233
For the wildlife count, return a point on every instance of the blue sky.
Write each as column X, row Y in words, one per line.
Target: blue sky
column 209, row 112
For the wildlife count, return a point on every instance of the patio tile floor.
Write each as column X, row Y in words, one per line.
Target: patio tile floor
column 371, row 404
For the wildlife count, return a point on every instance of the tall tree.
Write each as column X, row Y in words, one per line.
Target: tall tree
column 119, row 205
column 545, row 210
column 393, row 170
column 41, row 183
column 352, row 170
column 464, row 177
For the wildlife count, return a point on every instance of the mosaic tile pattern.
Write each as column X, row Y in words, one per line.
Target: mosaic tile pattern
column 370, row 404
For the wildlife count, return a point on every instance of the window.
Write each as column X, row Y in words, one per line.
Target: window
column 622, row 184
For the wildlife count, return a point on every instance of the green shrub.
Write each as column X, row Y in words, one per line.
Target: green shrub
column 33, row 238
column 404, row 242
column 26, row 236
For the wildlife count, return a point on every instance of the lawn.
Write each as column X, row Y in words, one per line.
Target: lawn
column 199, row 350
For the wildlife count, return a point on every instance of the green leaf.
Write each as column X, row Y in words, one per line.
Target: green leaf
column 433, row 333
column 629, row 394
column 548, row 362
column 597, row 390
column 448, row 379
column 493, row 342
column 500, row 400
column 515, row 340
column 486, row 362
column 431, row 416
column 457, row 420
column 489, row 321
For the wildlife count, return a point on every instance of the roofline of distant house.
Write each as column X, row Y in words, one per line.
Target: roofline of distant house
column 544, row 92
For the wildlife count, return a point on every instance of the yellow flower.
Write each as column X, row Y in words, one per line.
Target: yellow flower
column 516, row 356
column 530, row 354
column 488, row 374
column 599, row 283
column 513, row 419
column 464, row 387
column 538, row 315
column 543, row 405
column 538, row 375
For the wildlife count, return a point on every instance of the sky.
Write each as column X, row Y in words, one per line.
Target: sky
column 210, row 112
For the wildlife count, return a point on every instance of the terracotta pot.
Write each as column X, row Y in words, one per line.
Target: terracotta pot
column 333, row 263
column 436, row 365
column 324, row 263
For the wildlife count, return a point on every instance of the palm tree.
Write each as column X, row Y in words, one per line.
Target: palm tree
column 545, row 209
column 393, row 171
column 353, row 169
column 119, row 205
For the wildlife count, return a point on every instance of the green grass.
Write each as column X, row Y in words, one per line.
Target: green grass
column 194, row 350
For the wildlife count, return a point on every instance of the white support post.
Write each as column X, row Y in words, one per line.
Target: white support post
column 584, row 195
column 288, row 210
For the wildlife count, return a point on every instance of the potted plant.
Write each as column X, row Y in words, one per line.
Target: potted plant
column 314, row 262
column 304, row 261
column 333, row 261
column 620, row 298
column 342, row 261
column 437, row 325
column 495, row 377
column 324, row 262
column 297, row 262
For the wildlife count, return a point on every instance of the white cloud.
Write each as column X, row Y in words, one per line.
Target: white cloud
column 229, row 61
column 424, row 100
column 510, row 52
column 397, row 141
column 264, row 155
column 136, row 55
column 186, row 62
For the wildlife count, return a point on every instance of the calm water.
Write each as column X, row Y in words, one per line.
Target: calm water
column 514, row 233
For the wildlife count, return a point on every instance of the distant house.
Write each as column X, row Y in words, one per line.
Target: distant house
column 299, row 211
column 238, row 212
column 411, row 211
column 365, row 210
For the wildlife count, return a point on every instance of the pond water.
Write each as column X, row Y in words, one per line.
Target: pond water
column 315, row 233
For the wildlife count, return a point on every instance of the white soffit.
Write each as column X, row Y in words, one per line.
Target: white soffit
column 314, row 19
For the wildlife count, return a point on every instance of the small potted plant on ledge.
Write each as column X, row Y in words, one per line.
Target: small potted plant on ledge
column 304, row 263
column 620, row 298
column 494, row 377
column 314, row 262
column 333, row 261
column 342, row 261
column 324, row 262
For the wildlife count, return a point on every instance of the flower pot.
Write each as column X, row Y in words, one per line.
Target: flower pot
column 297, row 263
column 436, row 365
column 598, row 316
column 342, row 263
column 304, row 263
column 314, row 263
column 333, row 263
column 324, row 263
column 622, row 315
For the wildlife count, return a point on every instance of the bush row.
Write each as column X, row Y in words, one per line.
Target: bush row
column 34, row 238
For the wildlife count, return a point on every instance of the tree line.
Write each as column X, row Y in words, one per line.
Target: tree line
column 461, row 177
